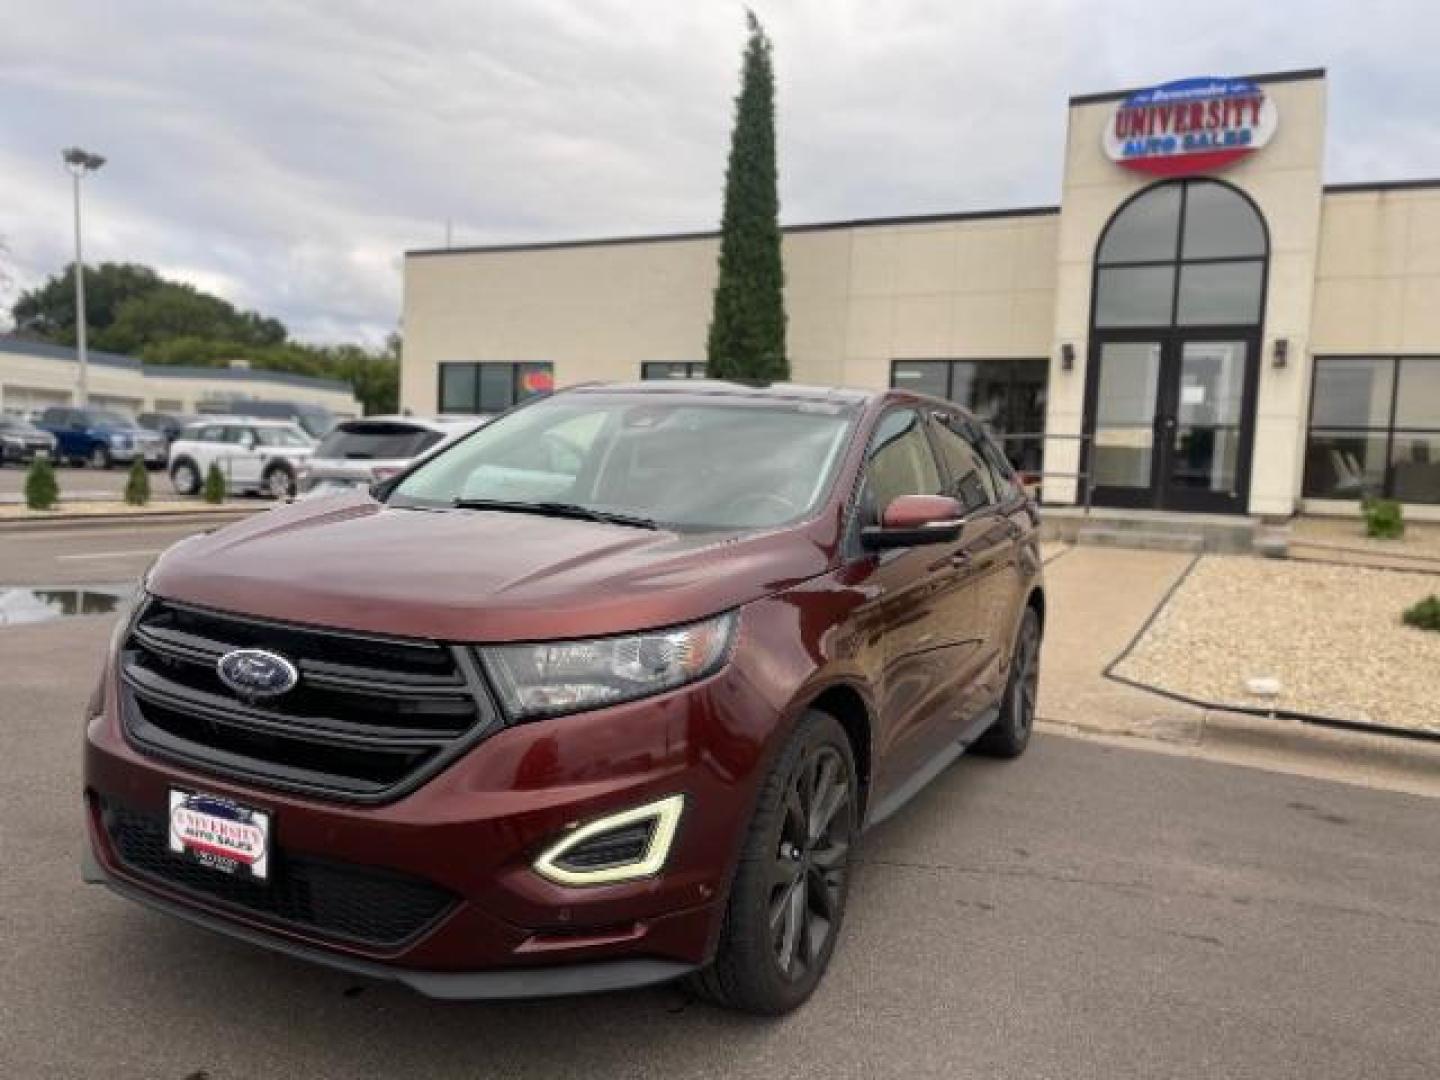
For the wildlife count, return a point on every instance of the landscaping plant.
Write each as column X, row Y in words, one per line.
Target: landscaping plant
column 1383, row 519
column 42, row 490
column 214, row 484
column 1424, row 615
column 137, row 484
column 747, row 325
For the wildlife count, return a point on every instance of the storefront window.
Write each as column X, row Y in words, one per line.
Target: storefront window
column 491, row 387
column 1208, row 232
column 672, row 369
column 1374, row 429
column 1006, row 396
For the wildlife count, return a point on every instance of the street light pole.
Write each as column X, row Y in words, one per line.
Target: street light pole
column 80, row 162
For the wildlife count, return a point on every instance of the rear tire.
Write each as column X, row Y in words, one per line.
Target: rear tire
column 185, row 476
column 1010, row 734
column 278, row 483
column 787, row 900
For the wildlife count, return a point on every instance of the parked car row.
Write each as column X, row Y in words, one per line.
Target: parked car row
column 279, row 459
column 101, row 438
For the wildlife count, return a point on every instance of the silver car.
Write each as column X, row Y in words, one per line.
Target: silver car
column 357, row 453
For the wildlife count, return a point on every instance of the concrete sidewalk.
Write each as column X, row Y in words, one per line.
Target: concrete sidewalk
column 1099, row 597
column 1098, row 600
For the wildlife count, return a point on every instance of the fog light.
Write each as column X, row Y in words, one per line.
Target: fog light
column 621, row 847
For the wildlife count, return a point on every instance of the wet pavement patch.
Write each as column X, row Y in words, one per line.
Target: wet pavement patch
column 35, row 604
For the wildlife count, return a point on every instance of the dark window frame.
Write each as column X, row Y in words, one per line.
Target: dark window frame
column 516, row 394
column 694, row 369
column 1178, row 262
column 1388, row 430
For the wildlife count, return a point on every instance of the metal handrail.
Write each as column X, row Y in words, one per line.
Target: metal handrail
column 1085, row 477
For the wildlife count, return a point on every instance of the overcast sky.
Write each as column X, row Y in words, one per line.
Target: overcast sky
column 284, row 154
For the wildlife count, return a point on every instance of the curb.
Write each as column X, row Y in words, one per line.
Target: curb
column 1346, row 756
column 154, row 517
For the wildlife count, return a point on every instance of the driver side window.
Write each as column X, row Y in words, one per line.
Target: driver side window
column 899, row 462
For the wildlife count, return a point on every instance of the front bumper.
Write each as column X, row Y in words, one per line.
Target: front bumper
column 474, row 831
column 151, row 454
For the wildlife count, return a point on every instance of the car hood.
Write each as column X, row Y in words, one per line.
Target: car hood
column 466, row 575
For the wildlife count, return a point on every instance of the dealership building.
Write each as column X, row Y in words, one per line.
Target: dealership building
column 1201, row 325
column 35, row 376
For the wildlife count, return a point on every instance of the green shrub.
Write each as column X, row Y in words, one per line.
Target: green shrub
column 137, row 484
column 42, row 490
column 1425, row 615
column 214, row 484
column 1383, row 519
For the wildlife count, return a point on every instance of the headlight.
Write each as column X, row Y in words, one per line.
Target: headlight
column 119, row 440
column 568, row 676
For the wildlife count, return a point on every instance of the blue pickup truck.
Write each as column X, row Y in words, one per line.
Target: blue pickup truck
column 101, row 438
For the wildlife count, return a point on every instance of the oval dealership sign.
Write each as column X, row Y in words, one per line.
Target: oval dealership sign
column 1190, row 126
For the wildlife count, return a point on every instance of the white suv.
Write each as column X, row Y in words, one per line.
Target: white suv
column 261, row 456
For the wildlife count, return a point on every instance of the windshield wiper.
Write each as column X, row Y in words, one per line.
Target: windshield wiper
column 556, row 509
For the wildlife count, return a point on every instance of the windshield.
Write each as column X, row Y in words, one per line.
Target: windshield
column 364, row 441
column 316, row 421
column 110, row 419
column 722, row 464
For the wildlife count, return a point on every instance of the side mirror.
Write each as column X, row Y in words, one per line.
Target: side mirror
column 910, row 520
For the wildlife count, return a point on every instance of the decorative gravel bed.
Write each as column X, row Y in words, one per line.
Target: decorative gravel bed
column 1331, row 635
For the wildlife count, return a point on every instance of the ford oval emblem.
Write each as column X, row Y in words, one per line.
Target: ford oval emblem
column 257, row 673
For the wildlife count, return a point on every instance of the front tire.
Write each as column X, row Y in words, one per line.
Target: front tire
column 1010, row 734
column 787, row 900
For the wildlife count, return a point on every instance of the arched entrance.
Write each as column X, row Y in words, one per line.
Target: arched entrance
column 1178, row 299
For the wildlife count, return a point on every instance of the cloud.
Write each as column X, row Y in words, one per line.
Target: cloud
column 288, row 154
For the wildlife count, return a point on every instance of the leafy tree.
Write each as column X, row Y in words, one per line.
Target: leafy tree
column 133, row 310
column 137, row 484
column 214, row 491
column 747, row 326
column 42, row 490
column 48, row 310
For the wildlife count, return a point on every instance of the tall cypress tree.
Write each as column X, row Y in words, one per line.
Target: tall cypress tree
column 747, row 324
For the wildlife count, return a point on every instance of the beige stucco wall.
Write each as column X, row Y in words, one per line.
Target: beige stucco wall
column 1377, row 286
column 1284, row 179
column 28, row 381
column 856, row 297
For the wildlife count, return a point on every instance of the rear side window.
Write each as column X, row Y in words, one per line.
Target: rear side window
column 971, row 479
column 377, row 441
column 900, row 462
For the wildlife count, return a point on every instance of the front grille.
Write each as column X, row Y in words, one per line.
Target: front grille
column 370, row 718
column 336, row 900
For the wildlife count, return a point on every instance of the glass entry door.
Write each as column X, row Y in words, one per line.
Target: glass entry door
column 1171, row 420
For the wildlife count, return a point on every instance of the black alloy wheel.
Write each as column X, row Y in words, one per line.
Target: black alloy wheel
column 811, row 861
column 1010, row 734
column 787, row 899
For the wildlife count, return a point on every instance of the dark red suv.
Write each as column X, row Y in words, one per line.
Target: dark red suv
column 600, row 696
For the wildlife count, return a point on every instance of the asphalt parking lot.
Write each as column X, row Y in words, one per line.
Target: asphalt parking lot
column 1087, row 911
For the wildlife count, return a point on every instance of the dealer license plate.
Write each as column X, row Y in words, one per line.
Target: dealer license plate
column 219, row 834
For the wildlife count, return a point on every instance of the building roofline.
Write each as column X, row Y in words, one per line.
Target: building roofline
column 65, row 354
column 679, row 237
column 1299, row 75
column 1383, row 185
column 50, row 351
